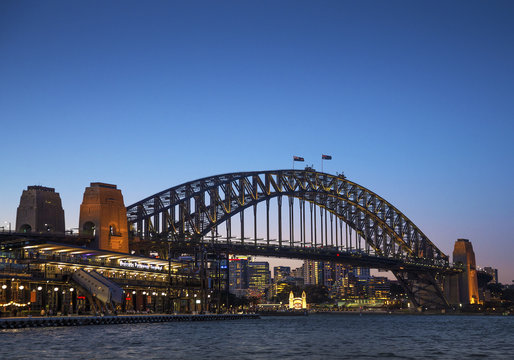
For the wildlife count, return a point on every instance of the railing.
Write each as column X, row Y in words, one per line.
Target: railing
column 11, row 269
column 325, row 253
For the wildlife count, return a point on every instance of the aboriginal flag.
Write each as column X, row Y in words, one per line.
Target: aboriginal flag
column 326, row 157
column 297, row 158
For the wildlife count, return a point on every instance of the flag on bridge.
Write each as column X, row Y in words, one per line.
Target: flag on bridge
column 297, row 158
column 326, row 157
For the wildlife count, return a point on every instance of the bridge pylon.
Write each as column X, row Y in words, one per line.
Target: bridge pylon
column 462, row 288
column 103, row 215
column 40, row 211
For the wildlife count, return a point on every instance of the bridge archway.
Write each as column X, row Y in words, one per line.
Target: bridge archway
column 198, row 207
column 25, row 228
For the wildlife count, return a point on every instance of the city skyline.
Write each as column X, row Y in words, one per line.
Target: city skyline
column 148, row 97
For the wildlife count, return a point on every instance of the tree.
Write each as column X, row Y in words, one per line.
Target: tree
column 496, row 290
column 317, row 294
column 508, row 295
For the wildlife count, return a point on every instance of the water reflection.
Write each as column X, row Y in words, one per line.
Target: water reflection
column 314, row 336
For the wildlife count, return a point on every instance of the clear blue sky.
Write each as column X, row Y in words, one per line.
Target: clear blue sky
column 413, row 99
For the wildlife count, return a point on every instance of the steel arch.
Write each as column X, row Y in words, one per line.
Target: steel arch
column 199, row 206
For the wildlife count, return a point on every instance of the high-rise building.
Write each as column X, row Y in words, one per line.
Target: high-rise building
column 493, row 272
column 259, row 276
column 338, row 274
column 328, row 273
column 238, row 276
column 281, row 272
column 298, row 272
column 362, row 273
column 311, row 272
column 378, row 287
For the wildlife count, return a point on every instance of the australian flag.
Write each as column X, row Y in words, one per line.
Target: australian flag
column 326, row 157
column 297, row 158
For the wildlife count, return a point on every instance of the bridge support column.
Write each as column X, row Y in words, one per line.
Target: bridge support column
column 104, row 216
column 423, row 289
column 463, row 288
column 40, row 210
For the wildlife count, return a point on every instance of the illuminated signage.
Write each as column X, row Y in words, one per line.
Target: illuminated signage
column 136, row 265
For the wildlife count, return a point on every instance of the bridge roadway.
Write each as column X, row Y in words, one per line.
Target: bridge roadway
column 326, row 254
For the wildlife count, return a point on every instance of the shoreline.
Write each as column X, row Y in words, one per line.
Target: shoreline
column 38, row 322
column 426, row 313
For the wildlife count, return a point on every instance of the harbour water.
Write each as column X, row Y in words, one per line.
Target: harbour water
column 313, row 337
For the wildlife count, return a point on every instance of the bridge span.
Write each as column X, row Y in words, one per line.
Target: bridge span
column 329, row 218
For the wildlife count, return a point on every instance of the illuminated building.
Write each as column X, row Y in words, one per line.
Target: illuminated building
column 281, row 272
column 279, row 287
column 36, row 268
column 259, row 277
column 103, row 216
column 238, row 275
column 493, row 272
column 464, row 287
column 362, row 273
column 378, row 287
column 297, row 274
column 44, row 270
column 311, row 272
column 297, row 303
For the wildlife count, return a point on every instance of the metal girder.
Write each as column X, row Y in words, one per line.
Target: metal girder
column 423, row 288
column 199, row 206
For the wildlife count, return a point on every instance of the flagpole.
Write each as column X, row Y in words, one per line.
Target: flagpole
column 323, row 158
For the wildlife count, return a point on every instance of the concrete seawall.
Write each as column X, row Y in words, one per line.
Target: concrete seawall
column 17, row 323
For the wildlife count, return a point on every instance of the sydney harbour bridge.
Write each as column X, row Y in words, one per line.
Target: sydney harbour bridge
column 296, row 214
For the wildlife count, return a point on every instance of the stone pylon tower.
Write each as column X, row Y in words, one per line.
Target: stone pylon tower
column 465, row 285
column 104, row 216
column 40, row 210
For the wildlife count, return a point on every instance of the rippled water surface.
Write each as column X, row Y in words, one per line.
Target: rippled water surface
column 314, row 337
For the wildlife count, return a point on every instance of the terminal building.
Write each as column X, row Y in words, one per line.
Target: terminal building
column 45, row 270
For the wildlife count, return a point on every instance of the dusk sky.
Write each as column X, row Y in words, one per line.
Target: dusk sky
column 413, row 99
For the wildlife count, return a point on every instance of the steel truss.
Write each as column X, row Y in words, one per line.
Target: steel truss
column 196, row 209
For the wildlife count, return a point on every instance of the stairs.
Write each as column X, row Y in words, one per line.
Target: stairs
column 101, row 288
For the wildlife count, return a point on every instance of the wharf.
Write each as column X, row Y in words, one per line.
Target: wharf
column 17, row 323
